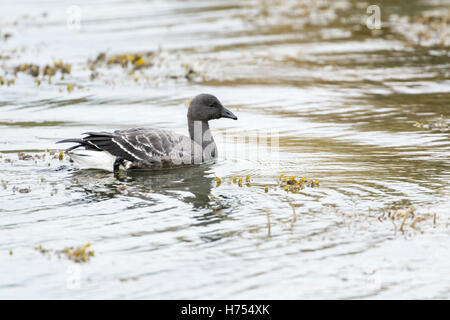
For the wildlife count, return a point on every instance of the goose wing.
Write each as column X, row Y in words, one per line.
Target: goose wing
column 138, row 144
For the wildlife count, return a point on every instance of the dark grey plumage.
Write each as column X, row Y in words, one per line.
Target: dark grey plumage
column 148, row 148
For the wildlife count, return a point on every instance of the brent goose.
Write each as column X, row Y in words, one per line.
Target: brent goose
column 148, row 148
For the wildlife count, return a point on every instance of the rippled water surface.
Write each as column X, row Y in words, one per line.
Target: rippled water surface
column 362, row 111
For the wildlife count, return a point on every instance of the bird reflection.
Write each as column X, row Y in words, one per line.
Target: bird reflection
column 98, row 186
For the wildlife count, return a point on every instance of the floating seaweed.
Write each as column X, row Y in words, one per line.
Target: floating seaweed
column 128, row 279
column 440, row 125
column 24, row 156
column 48, row 70
column 31, row 69
column 161, row 61
column 21, row 190
column 291, row 184
column 426, row 29
column 70, row 87
column 62, row 67
column 135, row 60
column 101, row 57
column 294, row 185
column 6, row 36
column 407, row 217
column 79, row 254
column 41, row 249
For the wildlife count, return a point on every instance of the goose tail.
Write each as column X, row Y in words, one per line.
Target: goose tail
column 92, row 159
column 89, row 157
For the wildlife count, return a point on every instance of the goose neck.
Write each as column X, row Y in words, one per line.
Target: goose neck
column 199, row 132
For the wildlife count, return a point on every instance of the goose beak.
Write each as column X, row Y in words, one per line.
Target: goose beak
column 227, row 114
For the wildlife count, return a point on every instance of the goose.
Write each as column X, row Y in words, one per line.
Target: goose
column 150, row 148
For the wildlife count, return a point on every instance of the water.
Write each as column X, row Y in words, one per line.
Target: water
column 342, row 99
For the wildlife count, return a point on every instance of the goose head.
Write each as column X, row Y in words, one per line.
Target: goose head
column 205, row 107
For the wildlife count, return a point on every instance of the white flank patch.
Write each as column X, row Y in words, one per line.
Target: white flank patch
column 89, row 159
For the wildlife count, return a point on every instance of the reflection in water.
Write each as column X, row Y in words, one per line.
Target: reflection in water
column 191, row 185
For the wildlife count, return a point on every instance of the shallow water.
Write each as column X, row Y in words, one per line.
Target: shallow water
column 341, row 100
